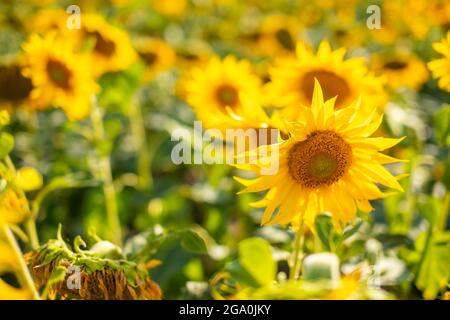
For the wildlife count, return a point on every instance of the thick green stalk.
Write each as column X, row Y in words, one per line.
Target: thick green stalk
column 297, row 254
column 104, row 166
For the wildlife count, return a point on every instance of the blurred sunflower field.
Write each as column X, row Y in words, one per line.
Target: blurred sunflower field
column 98, row 98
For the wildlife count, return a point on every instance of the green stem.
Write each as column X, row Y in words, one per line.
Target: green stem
column 30, row 226
column 23, row 273
column 140, row 137
column 443, row 216
column 104, row 165
column 297, row 254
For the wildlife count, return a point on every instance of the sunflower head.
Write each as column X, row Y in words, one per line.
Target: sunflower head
column 15, row 89
column 223, row 94
column 440, row 68
column 157, row 55
column 59, row 77
column 329, row 163
column 278, row 34
column 99, row 277
column 110, row 48
column 292, row 81
column 401, row 70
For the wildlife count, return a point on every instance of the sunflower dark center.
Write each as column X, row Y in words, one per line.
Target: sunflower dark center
column 59, row 73
column 103, row 46
column 149, row 57
column 285, row 39
column 332, row 85
column 395, row 65
column 227, row 96
column 320, row 160
column 13, row 85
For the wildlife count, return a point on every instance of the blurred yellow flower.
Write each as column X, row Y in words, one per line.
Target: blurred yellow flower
column 9, row 264
column 278, row 34
column 46, row 20
column 170, row 7
column 13, row 207
column 157, row 55
column 440, row 68
column 224, row 94
column 111, row 48
column 15, row 89
column 28, row 179
column 60, row 78
column 401, row 70
column 292, row 80
column 329, row 163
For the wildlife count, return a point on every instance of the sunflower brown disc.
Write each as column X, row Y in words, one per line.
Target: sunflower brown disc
column 322, row 159
column 332, row 86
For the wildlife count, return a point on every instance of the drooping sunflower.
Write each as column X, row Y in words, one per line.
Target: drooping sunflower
column 401, row 70
column 292, row 80
column 157, row 55
column 59, row 77
column 111, row 48
column 329, row 164
column 15, row 89
column 223, row 94
column 440, row 68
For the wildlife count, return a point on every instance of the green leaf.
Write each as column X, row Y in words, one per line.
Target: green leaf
column 434, row 273
column 6, row 144
column 255, row 256
column 191, row 241
column 442, row 125
column 325, row 230
column 58, row 275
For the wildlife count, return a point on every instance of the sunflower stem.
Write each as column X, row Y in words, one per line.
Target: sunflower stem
column 143, row 157
column 443, row 217
column 23, row 273
column 297, row 254
column 104, row 166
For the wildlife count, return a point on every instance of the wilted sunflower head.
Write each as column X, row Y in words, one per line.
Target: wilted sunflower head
column 292, row 80
column 440, row 68
column 329, row 164
column 400, row 70
column 101, row 273
column 59, row 77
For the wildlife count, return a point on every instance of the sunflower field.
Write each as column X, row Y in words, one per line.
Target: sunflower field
column 224, row 150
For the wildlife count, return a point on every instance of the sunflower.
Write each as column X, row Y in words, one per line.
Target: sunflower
column 157, row 55
column 278, row 34
column 401, row 70
column 111, row 48
column 47, row 20
column 440, row 68
column 292, row 80
column 224, row 94
column 329, row 164
column 59, row 77
column 15, row 89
